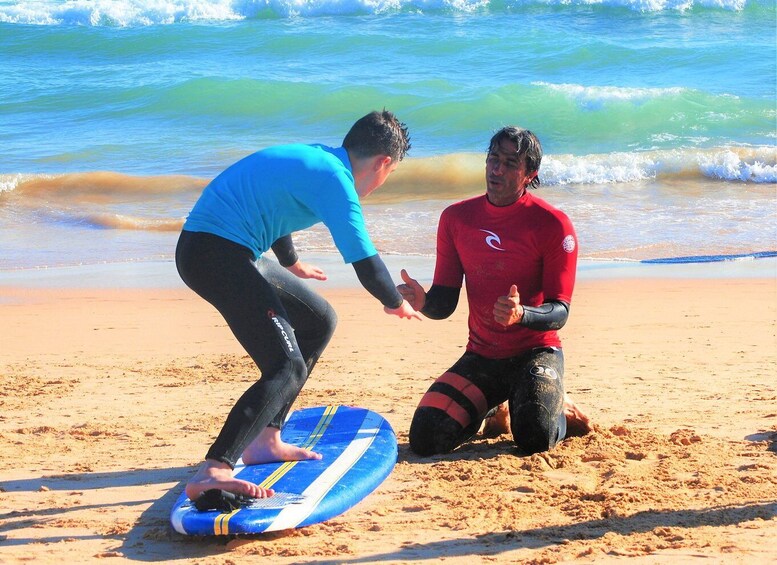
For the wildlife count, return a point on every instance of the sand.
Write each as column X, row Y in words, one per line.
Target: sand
column 110, row 397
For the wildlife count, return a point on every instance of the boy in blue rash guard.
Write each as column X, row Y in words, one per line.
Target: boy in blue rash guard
column 253, row 206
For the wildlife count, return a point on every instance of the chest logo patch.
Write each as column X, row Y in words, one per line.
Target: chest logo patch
column 493, row 241
column 568, row 244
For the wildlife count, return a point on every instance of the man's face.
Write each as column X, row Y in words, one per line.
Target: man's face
column 506, row 178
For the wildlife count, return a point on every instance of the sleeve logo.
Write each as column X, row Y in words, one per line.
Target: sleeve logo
column 568, row 244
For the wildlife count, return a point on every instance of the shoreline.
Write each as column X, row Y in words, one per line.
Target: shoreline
column 162, row 274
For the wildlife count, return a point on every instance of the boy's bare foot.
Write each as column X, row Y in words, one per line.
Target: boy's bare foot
column 578, row 424
column 498, row 423
column 217, row 475
column 268, row 447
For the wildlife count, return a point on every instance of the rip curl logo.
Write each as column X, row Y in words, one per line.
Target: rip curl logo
column 284, row 335
column 493, row 240
column 568, row 244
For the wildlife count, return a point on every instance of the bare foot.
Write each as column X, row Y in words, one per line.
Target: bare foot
column 578, row 424
column 268, row 447
column 499, row 423
column 217, row 475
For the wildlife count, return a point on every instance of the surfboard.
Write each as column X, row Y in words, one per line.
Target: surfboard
column 358, row 448
column 712, row 258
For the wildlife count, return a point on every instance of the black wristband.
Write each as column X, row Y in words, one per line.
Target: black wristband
column 545, row 317
column 441, row 301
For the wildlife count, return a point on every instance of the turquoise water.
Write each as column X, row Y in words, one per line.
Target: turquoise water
column 658, row 119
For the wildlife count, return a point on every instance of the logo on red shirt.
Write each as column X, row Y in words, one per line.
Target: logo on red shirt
column 493, row 240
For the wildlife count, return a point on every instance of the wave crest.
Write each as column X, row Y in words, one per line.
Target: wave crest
column 100, row 184
column 756, row 165
column 136, row 13
column 441, row 177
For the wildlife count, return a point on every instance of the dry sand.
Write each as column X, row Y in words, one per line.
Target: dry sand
column 109, row 398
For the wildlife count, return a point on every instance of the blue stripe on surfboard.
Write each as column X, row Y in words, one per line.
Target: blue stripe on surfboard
column 191, row 521
column 326, row 499
column 712, row 258
column 373, row 468
column 346, row 427
column 306, row 430
column 342, row 429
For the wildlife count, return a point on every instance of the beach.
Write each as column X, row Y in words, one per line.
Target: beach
column 115, row 378
column 110, row 397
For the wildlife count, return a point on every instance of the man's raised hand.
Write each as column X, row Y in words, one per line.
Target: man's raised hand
column 412, row 291
column 508, row 309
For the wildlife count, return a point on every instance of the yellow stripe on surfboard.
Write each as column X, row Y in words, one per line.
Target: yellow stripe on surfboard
column 221, row 523
column 312, row 440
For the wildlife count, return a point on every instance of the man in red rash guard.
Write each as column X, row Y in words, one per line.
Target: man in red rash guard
column 518, row 255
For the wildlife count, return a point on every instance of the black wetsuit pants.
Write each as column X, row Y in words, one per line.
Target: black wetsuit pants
column 282, row 324
column 454, row 407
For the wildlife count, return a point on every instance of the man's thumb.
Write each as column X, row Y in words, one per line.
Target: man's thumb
column 406, row 277
column 513, row 291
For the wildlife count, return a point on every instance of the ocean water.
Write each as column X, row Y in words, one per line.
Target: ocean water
column 658, row 118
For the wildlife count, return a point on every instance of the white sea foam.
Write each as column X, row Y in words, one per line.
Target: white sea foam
column 119, row 12
column 9, row 182
column 728, row 165
column 596, row 169
column 756, row 165
column 155, row 12
column 659, row 5
column 594, row 97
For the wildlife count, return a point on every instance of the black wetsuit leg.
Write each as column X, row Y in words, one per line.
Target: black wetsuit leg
column 261, row 306
column 537, row 399
column 453, row 408
column 312, row 317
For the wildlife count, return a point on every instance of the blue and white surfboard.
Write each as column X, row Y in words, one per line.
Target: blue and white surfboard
column 359, row 450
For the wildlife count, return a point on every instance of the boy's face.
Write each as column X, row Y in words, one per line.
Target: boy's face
column 380, row 168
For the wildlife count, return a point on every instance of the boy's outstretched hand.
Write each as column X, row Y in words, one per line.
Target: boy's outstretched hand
column 405, row 310
column 307, row 271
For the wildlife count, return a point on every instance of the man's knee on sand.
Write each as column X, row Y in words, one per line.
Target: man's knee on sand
column 534, row 428
column 432, row 431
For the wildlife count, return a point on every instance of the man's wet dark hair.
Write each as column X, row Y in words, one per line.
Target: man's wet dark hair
column 529, row 147
column 378, row 133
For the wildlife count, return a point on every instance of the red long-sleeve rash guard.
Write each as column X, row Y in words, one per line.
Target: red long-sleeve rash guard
column 530, row 244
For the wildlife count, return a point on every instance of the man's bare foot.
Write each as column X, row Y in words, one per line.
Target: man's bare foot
column 498, row 423
column 268, row 447
column 578, row 424
column 217, row 475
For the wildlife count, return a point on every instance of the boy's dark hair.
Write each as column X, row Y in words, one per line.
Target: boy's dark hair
column 378, row 133
column 529, row 147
